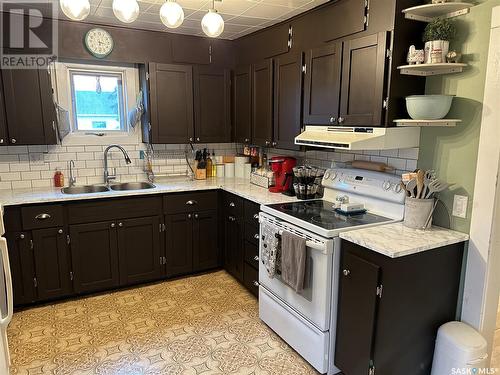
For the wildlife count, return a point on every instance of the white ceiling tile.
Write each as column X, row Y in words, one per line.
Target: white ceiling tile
column 267, row 11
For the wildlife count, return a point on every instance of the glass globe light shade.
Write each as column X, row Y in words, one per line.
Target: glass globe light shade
column 76, row 10
column 212, row 23
column 171, row 14
column 126, row 11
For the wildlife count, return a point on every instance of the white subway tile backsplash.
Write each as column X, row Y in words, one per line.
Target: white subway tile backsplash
column 409, row 153
column 10, row 176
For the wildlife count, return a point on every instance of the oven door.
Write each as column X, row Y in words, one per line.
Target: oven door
column 314, row 303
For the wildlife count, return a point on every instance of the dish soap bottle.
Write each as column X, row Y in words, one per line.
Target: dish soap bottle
column 58, row 179
column 209, row 166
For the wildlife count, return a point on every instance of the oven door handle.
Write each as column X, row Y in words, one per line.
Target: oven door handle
column 316, row 246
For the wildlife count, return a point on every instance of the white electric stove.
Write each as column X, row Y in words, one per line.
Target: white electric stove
column 307, row 321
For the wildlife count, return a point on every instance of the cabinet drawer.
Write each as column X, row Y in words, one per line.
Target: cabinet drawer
column 189, row 202
column 252, row 233
column 252, row 212
column 233, row 205
column 252, row 254
column 251, row 279
column 37, row 217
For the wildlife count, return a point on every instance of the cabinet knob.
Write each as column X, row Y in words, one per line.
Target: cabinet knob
column 120, row 225
column 113, row 225
column 256, row 216
column 247, row 140
column 256, row 236
column 22, row 236
column 346, row 272
column 341, row 120
column 231, row 218
column 232, row 204
column 268, row 143
column 190, row 139
column 274, row 144
column 255, row 283
column 60, row 231
column 256, row 258
column 196, row 216
column 13, row 140
column 190, row 216
column 332, row 120
column 198, row 139
column 1, row 141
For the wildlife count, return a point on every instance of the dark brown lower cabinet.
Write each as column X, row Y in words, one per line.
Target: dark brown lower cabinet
column 179, row 244
column 205, row 245
column 389, row 310
column 21, row 267
column 233, row 246
column 94, row 253
column 139, row 250
column 52, row 269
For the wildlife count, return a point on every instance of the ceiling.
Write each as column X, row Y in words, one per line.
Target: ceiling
column 241, row 16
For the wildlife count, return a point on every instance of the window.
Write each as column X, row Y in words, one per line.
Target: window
column 98, row 101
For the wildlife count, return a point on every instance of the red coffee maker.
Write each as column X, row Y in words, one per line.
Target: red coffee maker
column 282, row 168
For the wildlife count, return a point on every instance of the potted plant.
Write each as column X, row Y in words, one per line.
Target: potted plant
column 437, row 36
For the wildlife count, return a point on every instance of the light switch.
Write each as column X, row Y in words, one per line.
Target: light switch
column 460, row 206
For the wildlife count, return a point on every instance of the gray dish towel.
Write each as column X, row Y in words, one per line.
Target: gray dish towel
column 293, row 260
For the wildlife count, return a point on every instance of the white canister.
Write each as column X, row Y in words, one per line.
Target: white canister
column 248, row 171
column 219, row 159
column 229, row 170
column 241, row 160
column 239, row 170
column 220, row 170
column 436, row 51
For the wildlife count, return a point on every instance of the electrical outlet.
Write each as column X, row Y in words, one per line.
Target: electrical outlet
column 36, row 158
column 460, row 206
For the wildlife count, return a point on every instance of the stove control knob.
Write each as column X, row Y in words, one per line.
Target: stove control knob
column 386, row 185
column 327, row 175
column 334, row 176
column 397, row 188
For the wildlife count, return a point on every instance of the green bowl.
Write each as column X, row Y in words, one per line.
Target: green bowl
column 428, row 107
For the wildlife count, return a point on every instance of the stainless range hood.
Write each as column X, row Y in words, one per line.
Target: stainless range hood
column 359, row 138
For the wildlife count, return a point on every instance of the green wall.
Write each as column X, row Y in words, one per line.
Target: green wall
column 452, row 152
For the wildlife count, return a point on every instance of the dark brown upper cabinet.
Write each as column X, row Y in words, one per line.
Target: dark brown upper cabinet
column 262, row 103
column 288, row 73
column 29, row 107
column 242, row 104
column 171, row 94
column 3, row 122
column 322, row 85
column 52, row 269
column 212, row 104
column 363, row 78
column 344, row 17
column 139, row 250
column 190, row 49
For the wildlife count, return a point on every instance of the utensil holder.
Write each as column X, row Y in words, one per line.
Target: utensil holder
column 418, row 213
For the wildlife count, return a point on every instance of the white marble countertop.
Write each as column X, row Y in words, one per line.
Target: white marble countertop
column 239, row 187
column 395, row 240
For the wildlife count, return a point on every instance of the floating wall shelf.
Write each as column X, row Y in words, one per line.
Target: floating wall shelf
column 428, row 123
column 431, row 69
column 429, row 12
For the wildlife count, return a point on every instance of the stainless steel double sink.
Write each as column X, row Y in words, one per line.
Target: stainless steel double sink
column 89, row 189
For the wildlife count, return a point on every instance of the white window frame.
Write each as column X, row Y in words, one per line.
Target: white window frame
column 61, row 81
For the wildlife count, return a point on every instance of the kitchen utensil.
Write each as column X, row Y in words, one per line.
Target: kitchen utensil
column 420, row 183
column 371, row 166
column 403, row 186
column 429, row 218
column 428, row 107
column 410, row 187
column 436, row 186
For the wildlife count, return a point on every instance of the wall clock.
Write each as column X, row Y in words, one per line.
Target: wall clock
column 99, row 42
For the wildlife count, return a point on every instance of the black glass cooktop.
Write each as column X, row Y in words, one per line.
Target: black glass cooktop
column 323, row 214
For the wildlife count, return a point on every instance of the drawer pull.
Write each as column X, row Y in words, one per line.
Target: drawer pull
column 256, row 236
column 191, row 203
column 346, row 272
column 255, row 283
column 256, row 258
column 42, row 216
column 232, row 218
column 256, row 216
column 232, row 204
column 60, row 231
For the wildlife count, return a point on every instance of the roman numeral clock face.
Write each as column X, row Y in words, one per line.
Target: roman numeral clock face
column 99, row 43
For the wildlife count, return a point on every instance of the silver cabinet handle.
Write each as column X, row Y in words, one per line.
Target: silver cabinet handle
column 22, row 236
column 332, row 120
column 231, row 218
column 42, row 216
column 247, row 140
column 232, row 204
column 346, row 272
column 255, row 283
column 113, row 225
column 196, row 216
column 198, row 139
column 341, row 120
column 268, row 143
column 274, row 144
column 60, row 231
column 256, row 258
column 191, row 203
column 120, row 225
column 13, row 140
column 189, row 216
column 190, row 139
column 256, row 236
column 256, row 216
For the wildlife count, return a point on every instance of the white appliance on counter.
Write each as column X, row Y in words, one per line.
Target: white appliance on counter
column 6, row 300
column 307, row 321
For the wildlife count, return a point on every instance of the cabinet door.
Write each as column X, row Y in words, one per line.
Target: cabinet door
column 29, row 107
column 262, row 103
column 179, row 244
column 363, row 78
column 94, row 254
column 322, row 85
column 171, row 92
column 139, row 250
column 287, row 100
column 212, row 93
column 356, row 314
column 205, row 246
column 233, row 246
column 21, row 267
column 3, row 121
column 242, row 103
column 51, row 263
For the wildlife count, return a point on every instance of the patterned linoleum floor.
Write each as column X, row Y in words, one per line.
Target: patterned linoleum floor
column 206, row 325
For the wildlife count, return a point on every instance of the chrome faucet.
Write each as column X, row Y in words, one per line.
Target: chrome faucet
column 72, row 178
column 110, row 177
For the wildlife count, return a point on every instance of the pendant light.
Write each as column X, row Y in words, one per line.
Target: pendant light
column 212, row 23
column 77, row 10
column 126, row 11
column 171, row 14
